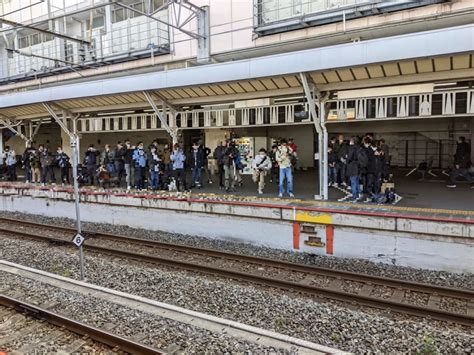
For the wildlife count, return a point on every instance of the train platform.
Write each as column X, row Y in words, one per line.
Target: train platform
column 441, row 239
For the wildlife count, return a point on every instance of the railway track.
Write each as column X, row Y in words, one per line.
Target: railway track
column 417, row 299
column 28, row 328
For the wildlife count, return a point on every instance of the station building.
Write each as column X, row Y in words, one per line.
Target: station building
column 258, row 70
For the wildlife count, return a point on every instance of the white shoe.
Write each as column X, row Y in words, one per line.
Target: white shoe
column 128, row 188
column 260, row 192
column 291, row 194
column 280, row 195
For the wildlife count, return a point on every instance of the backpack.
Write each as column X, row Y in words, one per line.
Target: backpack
column 362, row 158
column 293, row 160
column 390, row 194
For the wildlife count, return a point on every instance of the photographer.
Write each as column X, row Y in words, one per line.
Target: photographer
column 229, row 159
column 261, row 164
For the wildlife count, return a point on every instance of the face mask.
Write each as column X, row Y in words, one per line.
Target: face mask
column 262, row 154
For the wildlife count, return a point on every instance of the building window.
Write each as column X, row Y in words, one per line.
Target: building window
column 118, row 15
column 97, row 22
column 157, row 4
column 140, row 6
column 23, row 42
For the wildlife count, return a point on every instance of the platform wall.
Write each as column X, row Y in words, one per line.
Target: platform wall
column 394, row 240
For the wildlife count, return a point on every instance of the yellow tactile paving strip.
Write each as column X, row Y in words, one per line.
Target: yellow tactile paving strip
column 335, row 204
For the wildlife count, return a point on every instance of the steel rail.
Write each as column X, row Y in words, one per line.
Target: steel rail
column 80, row 328
column 321, row 271
column 326, row 292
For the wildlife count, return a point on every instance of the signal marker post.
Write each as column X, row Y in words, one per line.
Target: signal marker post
column 78, row 239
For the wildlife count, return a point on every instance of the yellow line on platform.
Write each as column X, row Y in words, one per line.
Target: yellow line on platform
column 328, row 204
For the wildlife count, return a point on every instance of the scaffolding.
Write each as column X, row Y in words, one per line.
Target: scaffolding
column 95, row 35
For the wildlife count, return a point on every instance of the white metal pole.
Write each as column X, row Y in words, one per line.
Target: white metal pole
column 324, row 157
column 75, row 160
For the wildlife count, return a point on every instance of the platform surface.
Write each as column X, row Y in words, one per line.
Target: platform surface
column 440, row 210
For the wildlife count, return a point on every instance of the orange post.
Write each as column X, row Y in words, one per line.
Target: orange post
column 329, row 240
column 296, row 235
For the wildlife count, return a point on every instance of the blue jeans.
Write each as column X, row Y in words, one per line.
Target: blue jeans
column 332, row 174
column 288, row 174
column 196, row 176
column 355, row 187
column 154, row 178
column 110, row 168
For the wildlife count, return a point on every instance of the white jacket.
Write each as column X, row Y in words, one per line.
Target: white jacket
column 262, row 162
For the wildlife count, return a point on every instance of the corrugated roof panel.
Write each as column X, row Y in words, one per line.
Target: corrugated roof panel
column 138, row 97
column 293, row 81
column 190, row 92
column 318, row 78
column 166, row 94
column 345, row 74
column 442, row 64
column 407, row 68
column 270, row 85
column 360, row 73
column 246, row 85
column 174, row 94
column 282, row 84
column 375, row 71
column 199, row 91
column 391, row 69
column 182, row 93
column 227, row 89
column 217, row 89
column 258, row 85
column 332, row 76
column 237, row 88
column 208, row 91
column 424, row 66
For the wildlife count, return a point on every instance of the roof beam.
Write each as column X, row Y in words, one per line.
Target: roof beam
column 446, row 41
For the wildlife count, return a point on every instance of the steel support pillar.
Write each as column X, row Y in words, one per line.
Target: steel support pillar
column 204, row 43
column 171, row 131
column 310, row 93
column 7, row 124
column 74, row 141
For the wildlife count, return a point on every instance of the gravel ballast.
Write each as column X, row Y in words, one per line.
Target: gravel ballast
column 441, row 278
column 327, row 323
column 158, row 332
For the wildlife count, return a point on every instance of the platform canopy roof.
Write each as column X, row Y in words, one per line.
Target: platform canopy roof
column 443, row 54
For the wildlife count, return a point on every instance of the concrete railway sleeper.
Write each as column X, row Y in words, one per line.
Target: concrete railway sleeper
column 343, row 286
column 116, row 343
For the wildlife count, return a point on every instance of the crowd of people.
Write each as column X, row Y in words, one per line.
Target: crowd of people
column 157, row 167
column 38, row 164
column 359, row 162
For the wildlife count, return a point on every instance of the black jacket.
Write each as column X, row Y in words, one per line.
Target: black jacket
column 371, row 168
column 120, row 154
column 462, row 157
column 229, row 155
column 352, row 162
column 196, row 158
column 219, row 154
column 91, row 157
column 128, row 157
column 343, row 150
column 332, row 158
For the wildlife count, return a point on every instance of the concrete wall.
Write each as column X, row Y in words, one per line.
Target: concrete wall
column 428, row 244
